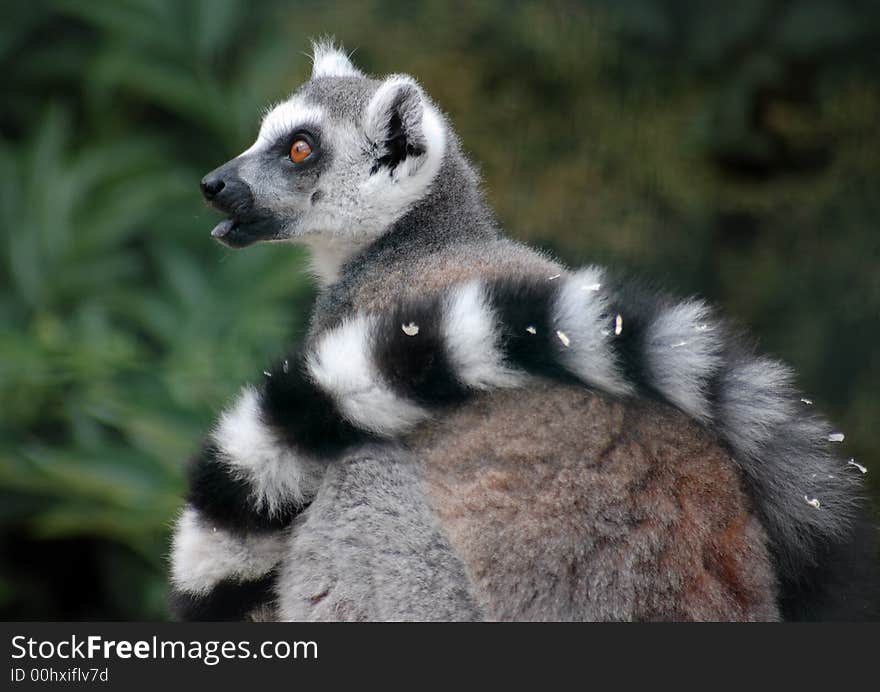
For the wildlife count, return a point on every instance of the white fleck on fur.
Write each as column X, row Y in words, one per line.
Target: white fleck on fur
column 578, row 314
column 471, row 334
column 681, row 358
column 203, row 555
column 330, row 61
column 276, row 473
column 342, row 365
column 862, row 469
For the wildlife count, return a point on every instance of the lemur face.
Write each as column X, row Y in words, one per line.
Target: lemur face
column 338, row 162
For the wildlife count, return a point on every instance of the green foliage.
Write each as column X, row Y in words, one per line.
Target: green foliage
column 729, row 151
column 124, row 327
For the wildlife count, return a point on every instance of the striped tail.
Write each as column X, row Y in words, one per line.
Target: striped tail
column 386, row 373
column 378, row 376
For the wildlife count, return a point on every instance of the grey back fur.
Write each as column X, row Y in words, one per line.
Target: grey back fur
column 369, row 548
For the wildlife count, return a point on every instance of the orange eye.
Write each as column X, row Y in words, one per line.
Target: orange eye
column 300, row 150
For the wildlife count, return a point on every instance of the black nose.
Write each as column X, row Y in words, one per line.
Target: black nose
column 212, row 186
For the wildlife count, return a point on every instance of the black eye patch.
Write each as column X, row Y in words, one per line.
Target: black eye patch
column 280, row 149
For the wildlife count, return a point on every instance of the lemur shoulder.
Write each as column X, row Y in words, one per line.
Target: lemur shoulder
column 474, row 431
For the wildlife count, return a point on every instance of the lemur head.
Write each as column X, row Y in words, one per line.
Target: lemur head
column 335, row 164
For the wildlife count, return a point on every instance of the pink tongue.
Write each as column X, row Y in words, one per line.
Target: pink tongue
column 222, row 228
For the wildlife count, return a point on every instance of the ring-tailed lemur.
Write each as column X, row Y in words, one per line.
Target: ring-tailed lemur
column 472, row 431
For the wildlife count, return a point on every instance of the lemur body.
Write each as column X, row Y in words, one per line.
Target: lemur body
column 472, row 430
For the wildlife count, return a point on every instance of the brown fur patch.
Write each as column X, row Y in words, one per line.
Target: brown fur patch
column 564, row 504
column 452, row 265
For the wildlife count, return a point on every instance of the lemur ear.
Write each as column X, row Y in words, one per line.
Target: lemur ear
column 330, row 61
column 395, row 120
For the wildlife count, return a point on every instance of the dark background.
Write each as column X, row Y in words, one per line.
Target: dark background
column 730, row 150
